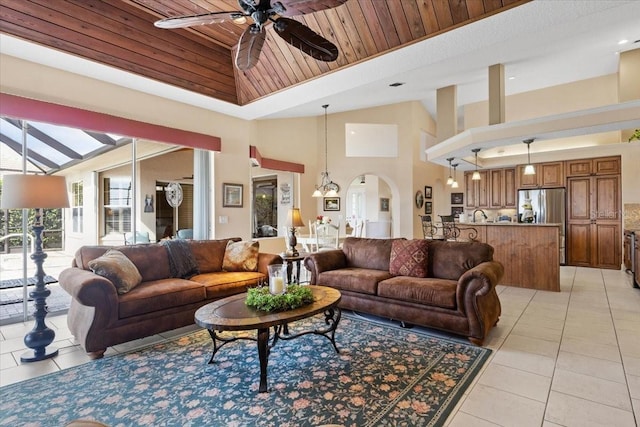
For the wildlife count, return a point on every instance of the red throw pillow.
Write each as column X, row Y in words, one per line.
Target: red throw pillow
column 409, row 258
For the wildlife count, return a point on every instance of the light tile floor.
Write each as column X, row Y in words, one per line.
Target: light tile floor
column 560, row 359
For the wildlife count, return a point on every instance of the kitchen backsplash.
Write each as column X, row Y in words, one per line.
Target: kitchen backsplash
column 631, row 216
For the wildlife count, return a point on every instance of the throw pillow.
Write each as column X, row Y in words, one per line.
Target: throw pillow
column 409, row 258
column 241, row 256
column 115, row 266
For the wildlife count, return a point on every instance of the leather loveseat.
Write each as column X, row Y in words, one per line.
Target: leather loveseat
column 100, row 316
column 438, row 284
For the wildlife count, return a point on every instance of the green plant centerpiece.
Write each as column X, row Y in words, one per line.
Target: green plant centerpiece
column 296, row 296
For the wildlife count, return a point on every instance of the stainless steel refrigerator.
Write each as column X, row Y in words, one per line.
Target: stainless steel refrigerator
column 548, row 208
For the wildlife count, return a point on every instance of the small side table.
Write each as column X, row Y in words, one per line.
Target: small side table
column 289, row 260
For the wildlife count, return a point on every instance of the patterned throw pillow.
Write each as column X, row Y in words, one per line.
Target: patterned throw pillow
column 115, row 266
column 409, row 258
column 241, row 256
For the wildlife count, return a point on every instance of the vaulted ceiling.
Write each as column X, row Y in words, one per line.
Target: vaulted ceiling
column 121, row 34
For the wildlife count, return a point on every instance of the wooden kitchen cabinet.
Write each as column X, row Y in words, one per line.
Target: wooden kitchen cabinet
column 548, row 175
column 596, row 166
column 502, row 184
column 476, row 192
column 593, row 221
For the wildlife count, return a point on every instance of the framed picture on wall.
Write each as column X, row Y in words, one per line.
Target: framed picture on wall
column 457, row 198
column 232, row 195
column 428, row 192
column 384, row 204
column 331, row 203
column 457, row 210
column 428, row 208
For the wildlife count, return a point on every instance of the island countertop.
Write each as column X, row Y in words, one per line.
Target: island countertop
column 530, row 253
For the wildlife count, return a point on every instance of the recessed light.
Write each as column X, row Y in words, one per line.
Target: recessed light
column 623, row 41
column 396, row 84
column 512, row 78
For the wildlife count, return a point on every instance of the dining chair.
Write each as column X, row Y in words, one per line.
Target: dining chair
column 327, row 237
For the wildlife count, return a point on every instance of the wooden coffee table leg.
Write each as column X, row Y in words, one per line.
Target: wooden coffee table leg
column 263, row 355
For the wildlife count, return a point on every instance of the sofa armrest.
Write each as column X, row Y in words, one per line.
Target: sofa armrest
column 318, row 262
column 265, row 260
column 477, row 298
column 91, row 290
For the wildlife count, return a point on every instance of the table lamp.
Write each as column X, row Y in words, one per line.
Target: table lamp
column 294, row 219
column 36, row 191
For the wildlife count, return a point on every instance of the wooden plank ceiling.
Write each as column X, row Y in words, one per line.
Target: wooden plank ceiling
column 120, row 33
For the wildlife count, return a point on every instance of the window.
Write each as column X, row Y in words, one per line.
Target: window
column 265, row 206
column 76, row 206
column 117, row 205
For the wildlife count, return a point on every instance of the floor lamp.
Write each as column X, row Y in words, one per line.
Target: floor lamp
column 38, row 192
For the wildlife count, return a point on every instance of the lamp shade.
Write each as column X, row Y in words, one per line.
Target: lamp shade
column 34, row 191
column 294, row 219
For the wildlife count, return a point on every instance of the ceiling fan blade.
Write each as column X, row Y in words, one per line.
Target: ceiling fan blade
column 193, row 20
column 304, row 38
column 249, row 47
column 301, row 7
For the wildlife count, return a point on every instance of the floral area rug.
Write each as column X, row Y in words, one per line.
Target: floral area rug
column 383, row 376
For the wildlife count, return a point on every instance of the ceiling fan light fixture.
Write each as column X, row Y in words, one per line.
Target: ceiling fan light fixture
column 529, row 169
column 240, row 20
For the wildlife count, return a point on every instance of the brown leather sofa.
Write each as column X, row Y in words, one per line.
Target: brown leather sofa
column 100, row 317
column 458, row 295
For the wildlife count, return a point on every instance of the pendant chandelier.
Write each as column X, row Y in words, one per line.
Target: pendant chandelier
column 327, row 187
column 529, row 169
column 450, row 179
column 476, row 174
column 455, row 184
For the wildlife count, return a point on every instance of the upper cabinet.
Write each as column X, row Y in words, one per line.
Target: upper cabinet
column 495, row 189
column 597, row 166
column 548, row 175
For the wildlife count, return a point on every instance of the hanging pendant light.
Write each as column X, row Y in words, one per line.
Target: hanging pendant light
column 529, row 169
column 476, row 174
column 450, row 179
column 327, row 187
column 455, row 184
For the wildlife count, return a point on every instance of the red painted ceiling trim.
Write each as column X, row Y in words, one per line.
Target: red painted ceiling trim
column 274, row 164
column 30, row 109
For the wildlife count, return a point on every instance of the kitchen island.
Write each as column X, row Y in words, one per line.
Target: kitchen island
column 530, row 253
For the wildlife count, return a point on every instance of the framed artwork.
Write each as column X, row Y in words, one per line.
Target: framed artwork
column 419, row 199
column 232, row 195
column 331, row 203
column 428, row 192
column 428, row 208
column 384, row 204
column 457, row 198
column 457, row 210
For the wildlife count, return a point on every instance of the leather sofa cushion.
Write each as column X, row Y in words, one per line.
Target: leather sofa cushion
column 222, row 284
column 367, row 253
column 449, row 260
column 361, row 280
column 159, row 295
column 426, row 291
column 209, row 254
column 151, row 259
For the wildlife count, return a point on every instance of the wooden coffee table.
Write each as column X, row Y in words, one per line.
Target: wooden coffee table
column 232, row 314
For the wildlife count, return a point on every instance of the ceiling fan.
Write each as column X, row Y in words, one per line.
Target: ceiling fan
column 262, row 12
